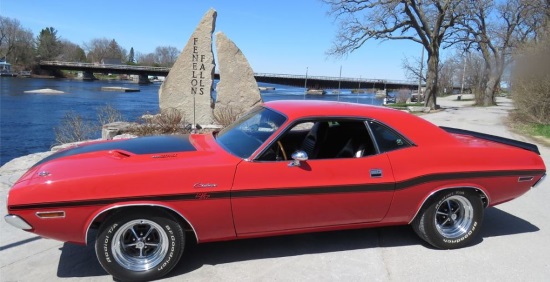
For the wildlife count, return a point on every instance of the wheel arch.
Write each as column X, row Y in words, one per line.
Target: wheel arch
column 482, row 194
column 110, row 210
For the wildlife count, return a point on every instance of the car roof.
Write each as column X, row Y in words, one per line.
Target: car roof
column 416, row 129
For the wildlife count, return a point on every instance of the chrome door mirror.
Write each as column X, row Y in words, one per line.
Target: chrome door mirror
column 298, row 156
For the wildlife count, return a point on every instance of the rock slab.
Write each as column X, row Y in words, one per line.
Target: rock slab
column 237, row 89
column 188, row 86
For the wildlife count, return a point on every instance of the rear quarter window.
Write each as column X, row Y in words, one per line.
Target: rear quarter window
column 386, row 138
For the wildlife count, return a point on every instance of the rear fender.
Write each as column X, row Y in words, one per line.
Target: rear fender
column 483, row 195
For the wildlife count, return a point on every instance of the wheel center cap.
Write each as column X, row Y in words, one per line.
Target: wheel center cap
column 453, row 216
column 140, row 245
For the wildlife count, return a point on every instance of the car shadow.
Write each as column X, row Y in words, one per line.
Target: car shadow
column 80, row 261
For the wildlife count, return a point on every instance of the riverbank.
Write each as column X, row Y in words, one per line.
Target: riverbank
column 514, row 236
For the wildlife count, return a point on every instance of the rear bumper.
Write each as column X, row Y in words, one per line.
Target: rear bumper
column 540, row 181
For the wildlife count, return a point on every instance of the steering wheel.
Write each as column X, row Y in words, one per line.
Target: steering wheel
column 282, row 149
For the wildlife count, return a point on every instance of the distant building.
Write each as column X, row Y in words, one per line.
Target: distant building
column 5, row 67
column 111, row 61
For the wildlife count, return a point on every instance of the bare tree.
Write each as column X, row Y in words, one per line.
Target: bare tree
column 148, row 59
column 71, row 52
column 103, row 48
column 16, row 43
column 426, row 22
column 166, row 55
column 412, row 69
column 496, row 29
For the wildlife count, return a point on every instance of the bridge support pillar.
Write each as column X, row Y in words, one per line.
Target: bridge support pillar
column 88, row 75
column 143, row 79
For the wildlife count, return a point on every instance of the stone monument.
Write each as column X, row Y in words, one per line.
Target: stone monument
column 237, row 89
column 188, row 86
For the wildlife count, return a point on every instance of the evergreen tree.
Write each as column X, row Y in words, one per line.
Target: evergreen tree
column 131, row 59
column 48, row 44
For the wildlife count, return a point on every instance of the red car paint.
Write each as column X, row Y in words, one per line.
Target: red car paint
column 223, row 197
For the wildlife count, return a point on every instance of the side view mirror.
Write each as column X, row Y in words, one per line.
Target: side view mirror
column 298, row 156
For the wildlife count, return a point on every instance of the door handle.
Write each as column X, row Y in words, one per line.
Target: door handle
column 375, row 173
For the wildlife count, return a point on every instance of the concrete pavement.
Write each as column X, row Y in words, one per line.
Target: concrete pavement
column 514, row 242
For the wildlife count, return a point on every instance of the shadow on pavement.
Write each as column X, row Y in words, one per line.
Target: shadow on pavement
column 80, row 261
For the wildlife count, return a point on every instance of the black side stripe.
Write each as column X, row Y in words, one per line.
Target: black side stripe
column 289, row 191
column 463, row 175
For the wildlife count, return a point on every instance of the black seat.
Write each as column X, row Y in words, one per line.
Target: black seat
column 315, row 139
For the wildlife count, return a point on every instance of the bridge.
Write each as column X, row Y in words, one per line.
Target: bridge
column 316, row 82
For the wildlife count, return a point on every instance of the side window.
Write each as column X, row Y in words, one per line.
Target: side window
column 386, row 138
column 323, row 139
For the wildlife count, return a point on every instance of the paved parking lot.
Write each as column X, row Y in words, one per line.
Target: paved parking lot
column 514, row 244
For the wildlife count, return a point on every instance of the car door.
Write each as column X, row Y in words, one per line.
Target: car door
column 272, row 196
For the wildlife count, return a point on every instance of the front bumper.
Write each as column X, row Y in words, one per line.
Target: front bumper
column 17, row 222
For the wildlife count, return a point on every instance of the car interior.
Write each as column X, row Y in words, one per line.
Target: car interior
column 323, row 139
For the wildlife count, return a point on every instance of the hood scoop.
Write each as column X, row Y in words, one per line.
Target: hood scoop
column 119, row 154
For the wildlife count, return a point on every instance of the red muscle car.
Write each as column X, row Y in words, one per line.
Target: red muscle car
column 285, row 167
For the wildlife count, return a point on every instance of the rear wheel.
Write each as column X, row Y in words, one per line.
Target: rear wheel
column 451, row 220
column 139, row 245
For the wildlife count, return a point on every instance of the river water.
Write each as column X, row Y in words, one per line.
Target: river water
column 27, row 121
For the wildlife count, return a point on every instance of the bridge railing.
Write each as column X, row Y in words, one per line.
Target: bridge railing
column 367, row 80
column 270, row 75
column 104, row 66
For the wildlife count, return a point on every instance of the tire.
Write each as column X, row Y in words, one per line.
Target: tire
column 139, row 245
column 451, row 220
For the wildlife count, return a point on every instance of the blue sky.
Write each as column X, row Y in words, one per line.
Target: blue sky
column 278, row 36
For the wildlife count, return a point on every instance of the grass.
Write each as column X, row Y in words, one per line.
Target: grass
column 538, row 132
column 404, row 105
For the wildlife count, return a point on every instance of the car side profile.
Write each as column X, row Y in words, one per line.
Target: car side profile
column 285, row 167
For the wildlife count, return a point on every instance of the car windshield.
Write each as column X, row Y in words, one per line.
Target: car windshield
column 248, row 133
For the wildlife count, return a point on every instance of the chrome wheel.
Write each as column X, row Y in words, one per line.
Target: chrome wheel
column 454, row 216
column 140, row 245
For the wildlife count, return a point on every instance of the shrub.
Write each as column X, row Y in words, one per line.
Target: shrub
column 531, row 82
column 74, row 128
column 169, row 121
column 107, row 114
column 225, row 116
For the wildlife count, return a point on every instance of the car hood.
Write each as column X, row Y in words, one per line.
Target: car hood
column 137, row 146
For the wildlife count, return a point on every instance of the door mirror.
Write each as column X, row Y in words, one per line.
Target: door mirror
column 298, row 156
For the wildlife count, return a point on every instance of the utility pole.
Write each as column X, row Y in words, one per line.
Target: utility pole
column 420, row 75
column 339, row 81
column 305, row 84
column 463, row 74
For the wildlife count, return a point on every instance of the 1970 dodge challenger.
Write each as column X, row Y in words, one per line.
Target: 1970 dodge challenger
column 285, row 167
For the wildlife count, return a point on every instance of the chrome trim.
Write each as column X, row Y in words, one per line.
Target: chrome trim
column 539, row 181
column 450, row 188
column 39, row 213
column 525, row 178
column 137, row 205
column 17, row 222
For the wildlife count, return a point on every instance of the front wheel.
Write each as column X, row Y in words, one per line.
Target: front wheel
column 139, row 245
column 451, row 220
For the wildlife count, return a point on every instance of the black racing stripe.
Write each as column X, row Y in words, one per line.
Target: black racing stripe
column 463, row 175
column 313, row 190
column 139, row 146
column 178, row 197
column 363, row 188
